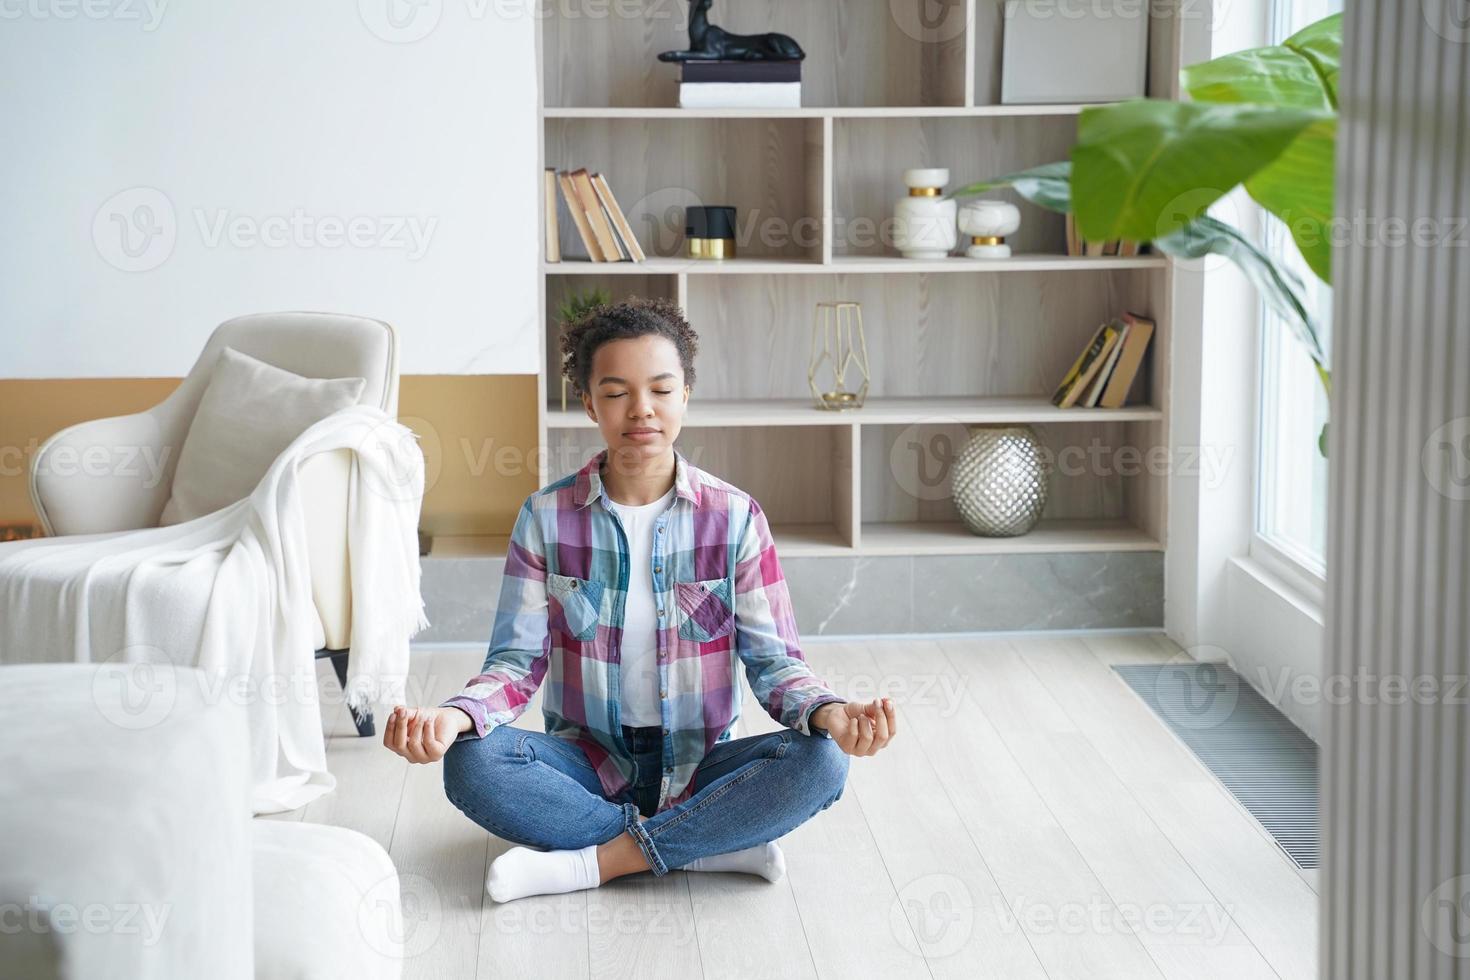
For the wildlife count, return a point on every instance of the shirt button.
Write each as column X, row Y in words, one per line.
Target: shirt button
column 658, row 568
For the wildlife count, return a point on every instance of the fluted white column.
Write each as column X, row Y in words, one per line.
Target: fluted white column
column 1396, row 879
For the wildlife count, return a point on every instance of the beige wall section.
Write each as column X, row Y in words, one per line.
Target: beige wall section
column 478, row 433
column 31, row 411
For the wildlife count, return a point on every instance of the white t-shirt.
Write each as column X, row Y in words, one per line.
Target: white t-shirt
column 639, row 672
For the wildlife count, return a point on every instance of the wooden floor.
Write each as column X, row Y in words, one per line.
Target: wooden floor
column 1032, row 819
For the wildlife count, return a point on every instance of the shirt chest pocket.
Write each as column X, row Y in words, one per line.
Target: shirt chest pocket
column 705, row 610
column 576, row 605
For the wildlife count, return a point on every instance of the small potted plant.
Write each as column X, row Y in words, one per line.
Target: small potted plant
column 572, row 308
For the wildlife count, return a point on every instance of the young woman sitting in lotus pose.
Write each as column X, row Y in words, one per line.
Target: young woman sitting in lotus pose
column 635, row 590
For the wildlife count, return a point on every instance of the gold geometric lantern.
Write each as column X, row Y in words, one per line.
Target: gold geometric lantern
column 838, row 344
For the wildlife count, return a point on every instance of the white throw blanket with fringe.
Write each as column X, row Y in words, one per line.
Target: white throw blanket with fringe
column 230, row 592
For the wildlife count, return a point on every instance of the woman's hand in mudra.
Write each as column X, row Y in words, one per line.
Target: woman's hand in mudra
column 860, row 729
column 424, row 734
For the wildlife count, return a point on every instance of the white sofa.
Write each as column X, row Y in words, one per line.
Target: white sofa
column 127, row 848
column 74, row 499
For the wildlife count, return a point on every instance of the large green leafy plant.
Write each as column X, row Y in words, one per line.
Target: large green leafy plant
column 1149, row 169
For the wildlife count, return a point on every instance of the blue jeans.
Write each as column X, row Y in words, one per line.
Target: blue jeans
column 541, row 791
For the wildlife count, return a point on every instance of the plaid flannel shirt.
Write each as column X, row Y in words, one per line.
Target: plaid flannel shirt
column 722, row 603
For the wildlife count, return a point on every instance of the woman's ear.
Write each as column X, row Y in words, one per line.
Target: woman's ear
column 587, row 405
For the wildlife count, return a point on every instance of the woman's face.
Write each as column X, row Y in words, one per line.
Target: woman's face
column 637, row 396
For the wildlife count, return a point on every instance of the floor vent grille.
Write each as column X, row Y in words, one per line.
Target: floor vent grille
column 1266, row 762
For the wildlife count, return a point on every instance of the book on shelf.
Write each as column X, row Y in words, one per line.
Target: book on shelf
column 1077, row 245
column 579, row 216
column 1140, row 330
column 1087, row 365
column 1095, row 390
column 767, row 72
column 553, row 233
column 740, row 85
column 740, row 95
column 1103, row 374
column 607, row 243
column 600, row 222
column 619, row 220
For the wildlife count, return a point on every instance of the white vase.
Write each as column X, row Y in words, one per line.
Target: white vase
column 923, row 221
column 989, row 224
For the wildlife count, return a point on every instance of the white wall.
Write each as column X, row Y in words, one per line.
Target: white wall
column 358, row 164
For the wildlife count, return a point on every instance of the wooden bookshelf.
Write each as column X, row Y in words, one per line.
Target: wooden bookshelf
column 953, row 342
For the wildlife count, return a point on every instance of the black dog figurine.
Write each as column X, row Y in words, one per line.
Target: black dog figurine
column 710, row 43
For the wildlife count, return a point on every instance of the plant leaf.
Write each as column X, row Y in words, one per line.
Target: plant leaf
column 1298, row 188
column 1048, row 186
column 1301, row 72
column 1321, row 44
column 1279, row 287
column 1271, row 76
column 1144, row 169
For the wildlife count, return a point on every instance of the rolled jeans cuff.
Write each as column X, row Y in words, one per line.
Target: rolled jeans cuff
column 645, row 842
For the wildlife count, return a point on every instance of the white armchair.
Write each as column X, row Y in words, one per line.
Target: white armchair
column 73, row 497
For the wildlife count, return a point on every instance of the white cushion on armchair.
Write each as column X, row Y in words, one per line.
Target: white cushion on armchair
column 251, row 411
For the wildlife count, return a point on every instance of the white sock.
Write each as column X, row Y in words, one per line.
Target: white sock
column 522, row 871
column 765, row 860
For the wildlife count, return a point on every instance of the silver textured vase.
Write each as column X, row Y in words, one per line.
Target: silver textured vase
column 999, row 481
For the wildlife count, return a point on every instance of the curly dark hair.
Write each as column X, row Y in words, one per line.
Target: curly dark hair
column 632, row 317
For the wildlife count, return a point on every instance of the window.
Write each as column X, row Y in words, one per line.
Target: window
column 1291, row 472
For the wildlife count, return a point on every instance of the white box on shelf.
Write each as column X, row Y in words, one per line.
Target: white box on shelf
column 740, row 95
column 1061, row 53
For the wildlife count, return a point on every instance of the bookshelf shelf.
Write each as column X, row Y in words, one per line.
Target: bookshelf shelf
column 1049, row 537
column 711, row 413
column 852, row 265
column 911, row 538
column 953, row 342
column 819, row 112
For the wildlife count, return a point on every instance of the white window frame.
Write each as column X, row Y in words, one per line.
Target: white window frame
column 1296, row 569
